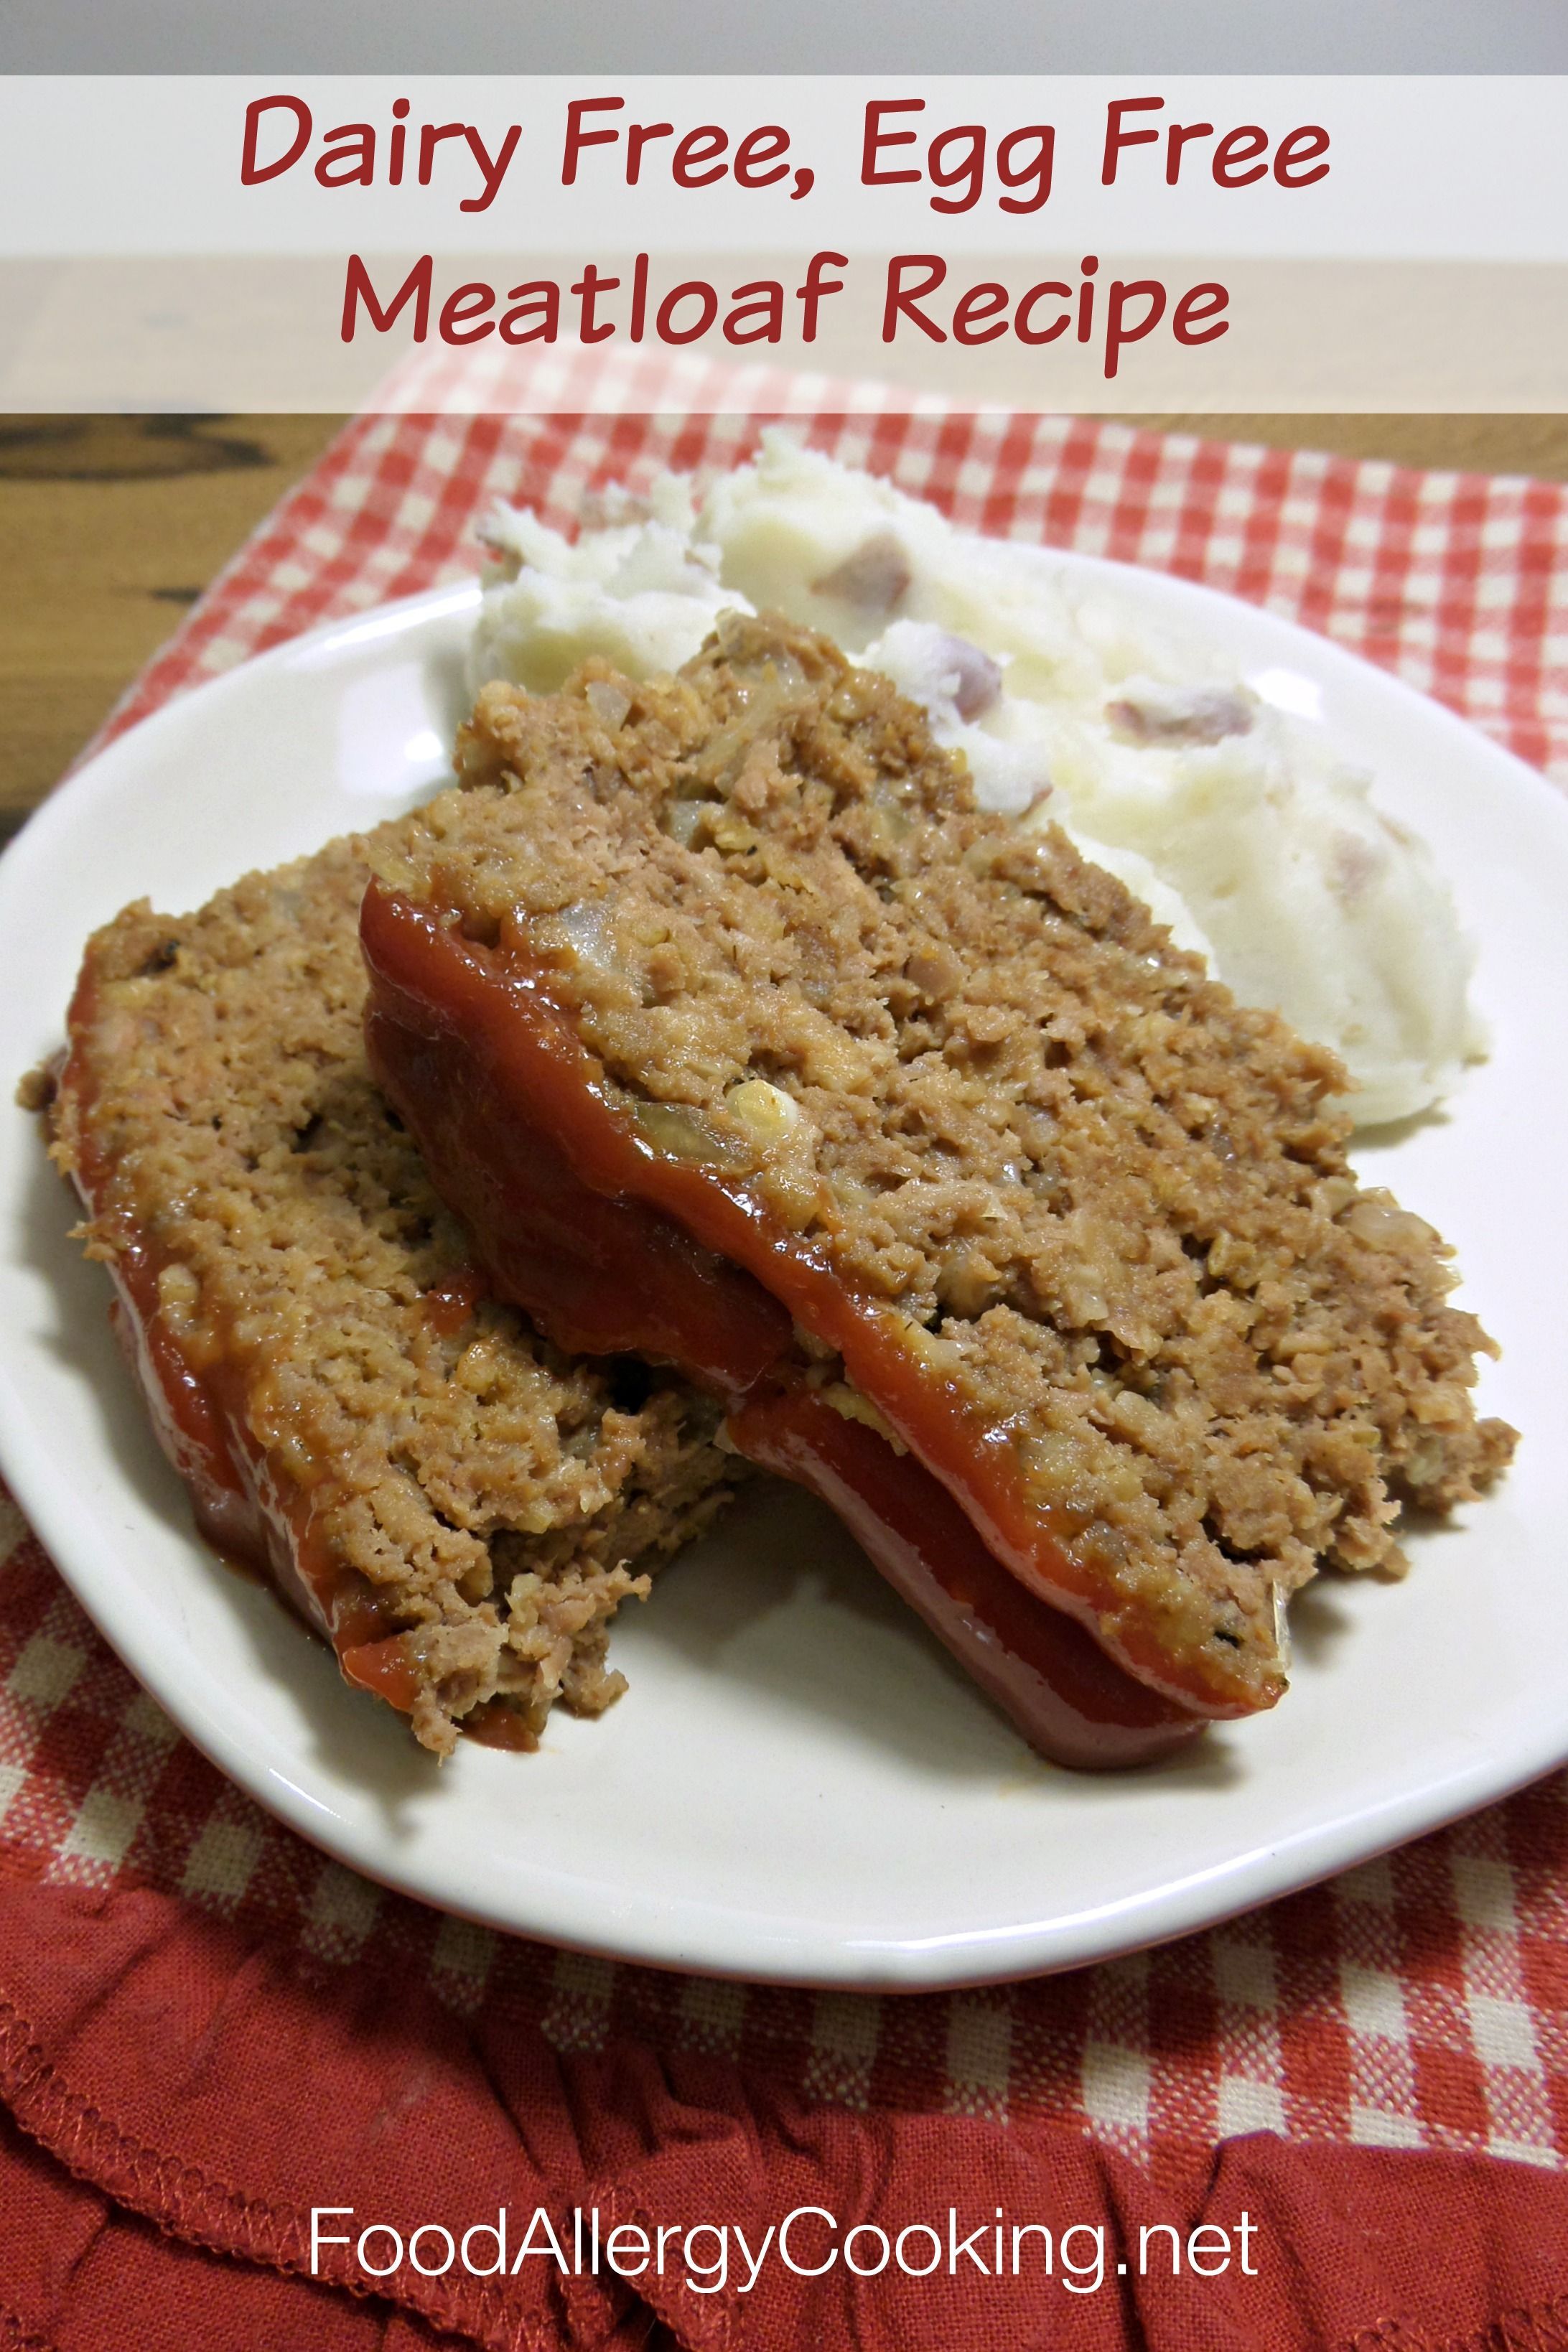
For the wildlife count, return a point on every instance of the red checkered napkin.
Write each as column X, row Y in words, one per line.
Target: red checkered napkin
column 1419, row 2000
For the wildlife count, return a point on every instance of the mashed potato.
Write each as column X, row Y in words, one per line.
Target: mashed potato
column 1242, row 829
column 639, row 593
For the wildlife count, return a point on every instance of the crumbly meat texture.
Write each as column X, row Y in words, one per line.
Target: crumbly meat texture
column 491, row 1491
column 1113, row 1204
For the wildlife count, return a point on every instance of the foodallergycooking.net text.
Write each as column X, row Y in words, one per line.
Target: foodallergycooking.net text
column 710, row 2257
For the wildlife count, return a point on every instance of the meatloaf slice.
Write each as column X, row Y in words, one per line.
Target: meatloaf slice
column 459, row 1507
column 1043, row 1203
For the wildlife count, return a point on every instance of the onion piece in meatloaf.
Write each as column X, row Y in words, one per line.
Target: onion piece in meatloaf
column 456, row 1505
column 1030, row 1196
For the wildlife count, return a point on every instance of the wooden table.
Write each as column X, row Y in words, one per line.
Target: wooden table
column 111, row 525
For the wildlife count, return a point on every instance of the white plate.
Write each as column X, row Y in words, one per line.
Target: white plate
column 798, row 1785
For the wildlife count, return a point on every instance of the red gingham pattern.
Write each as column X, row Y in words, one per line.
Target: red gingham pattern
column 1419, row 2000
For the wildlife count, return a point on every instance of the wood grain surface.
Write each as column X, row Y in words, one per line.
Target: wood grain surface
column 110, row 526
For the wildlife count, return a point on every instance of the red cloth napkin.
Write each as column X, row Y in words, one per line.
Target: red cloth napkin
column 180, row 2072
column 206, row 2029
